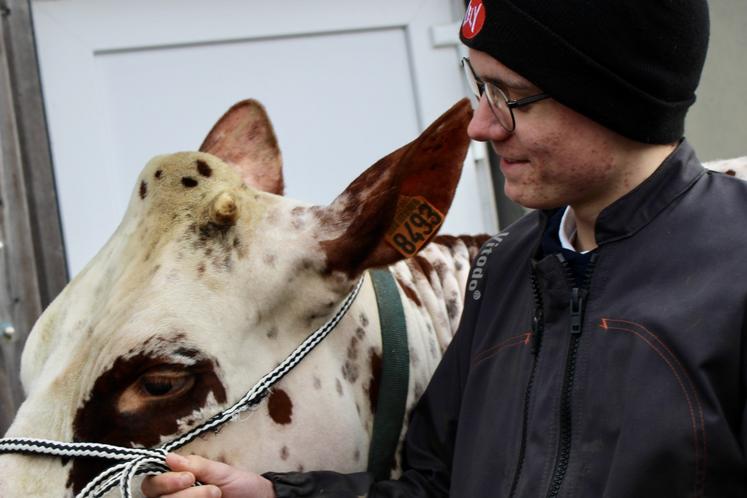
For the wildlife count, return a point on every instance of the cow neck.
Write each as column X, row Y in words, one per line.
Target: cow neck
column 152, row 461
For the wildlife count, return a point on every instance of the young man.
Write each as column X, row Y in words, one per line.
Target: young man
column 603, row 352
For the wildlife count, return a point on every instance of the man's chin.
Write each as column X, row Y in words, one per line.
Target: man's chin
column 529, row 200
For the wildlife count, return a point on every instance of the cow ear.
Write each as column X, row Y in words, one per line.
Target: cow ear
column 396, row 206
column 244, row 138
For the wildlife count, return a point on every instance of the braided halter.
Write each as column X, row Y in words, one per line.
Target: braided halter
column 135, row 461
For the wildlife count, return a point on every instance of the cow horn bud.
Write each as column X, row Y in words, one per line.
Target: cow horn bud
column 224, row 210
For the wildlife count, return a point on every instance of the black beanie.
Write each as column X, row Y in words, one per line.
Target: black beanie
column 630, row 65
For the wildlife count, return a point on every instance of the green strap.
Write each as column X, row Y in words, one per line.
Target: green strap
column 395, row 376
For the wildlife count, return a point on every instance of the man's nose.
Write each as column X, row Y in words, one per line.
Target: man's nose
column 484, row 127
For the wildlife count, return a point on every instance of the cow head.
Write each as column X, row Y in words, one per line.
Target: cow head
column 209, row 281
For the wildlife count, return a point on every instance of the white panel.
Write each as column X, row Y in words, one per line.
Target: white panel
column 310, row 96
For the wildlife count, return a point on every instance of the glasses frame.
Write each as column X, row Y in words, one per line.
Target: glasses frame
column 493, row 92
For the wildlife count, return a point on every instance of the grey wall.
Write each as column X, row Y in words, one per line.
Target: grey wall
column 717, row 123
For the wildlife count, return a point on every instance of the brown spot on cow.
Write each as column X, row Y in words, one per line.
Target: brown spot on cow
column 272, row 333
column 203, row 168
column 158, row 174
column 375, row 382
column 730, row 172
column 189, row 182
column 353, row 348
column 409, row 292
column 200, row 269
column 269, row 260
column 284, row 453
column 280, row 407
column 143, row 189
column 317, row 383
column 305, row 264
column 147, row 418
column 360, row 333
column 311, row 317
column 350, row 371
column 442, row 270
column 363, row 319
column 425, row 267
column 452, row 308
column 357, row 455
column 338, row 386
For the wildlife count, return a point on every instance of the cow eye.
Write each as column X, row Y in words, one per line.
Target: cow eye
column 159, row 384
column 165, row 383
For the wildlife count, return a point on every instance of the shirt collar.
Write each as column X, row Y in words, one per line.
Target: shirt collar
column 567, row 230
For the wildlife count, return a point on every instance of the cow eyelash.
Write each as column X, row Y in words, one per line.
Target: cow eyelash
column 159, row 385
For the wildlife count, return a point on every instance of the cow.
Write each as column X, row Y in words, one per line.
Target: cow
column 213, row 277
column 733, row 167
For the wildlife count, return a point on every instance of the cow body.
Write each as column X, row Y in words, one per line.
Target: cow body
column 211, row 279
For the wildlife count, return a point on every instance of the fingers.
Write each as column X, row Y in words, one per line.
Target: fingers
column 202, row 469
column 220, row 479
column 167, row 483
column 198, row 492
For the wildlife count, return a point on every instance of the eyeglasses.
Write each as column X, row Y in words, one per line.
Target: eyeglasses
column 500, row 104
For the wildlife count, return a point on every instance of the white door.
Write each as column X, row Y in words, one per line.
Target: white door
column 345, row 82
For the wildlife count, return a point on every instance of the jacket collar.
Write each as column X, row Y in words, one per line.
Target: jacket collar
column 633, row 211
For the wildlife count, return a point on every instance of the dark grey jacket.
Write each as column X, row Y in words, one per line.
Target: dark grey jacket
column 632, row 384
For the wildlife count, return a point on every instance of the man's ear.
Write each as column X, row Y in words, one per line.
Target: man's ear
column 397, row 205
column 244, row 138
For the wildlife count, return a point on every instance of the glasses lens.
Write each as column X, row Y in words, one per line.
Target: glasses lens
column 496, row 98
column 469, row 74
column 499, row 104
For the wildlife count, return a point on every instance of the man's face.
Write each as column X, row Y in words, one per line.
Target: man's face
column 555, row 156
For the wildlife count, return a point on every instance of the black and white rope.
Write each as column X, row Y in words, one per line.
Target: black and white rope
column 137, row 461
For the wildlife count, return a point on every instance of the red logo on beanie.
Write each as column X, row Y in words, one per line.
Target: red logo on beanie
column 474, row 18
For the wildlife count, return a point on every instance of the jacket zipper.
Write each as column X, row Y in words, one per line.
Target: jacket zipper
column 577, row 304
column 538, row 323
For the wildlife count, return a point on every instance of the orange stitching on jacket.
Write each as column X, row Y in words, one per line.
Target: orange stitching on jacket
column 516, row 340
column 699, row 472
column 689, row 380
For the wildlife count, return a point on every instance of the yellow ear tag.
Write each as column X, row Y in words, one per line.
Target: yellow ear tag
column 415, row 222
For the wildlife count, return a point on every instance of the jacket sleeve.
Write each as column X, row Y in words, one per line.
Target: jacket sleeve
column 429, row 442
column 743, row 432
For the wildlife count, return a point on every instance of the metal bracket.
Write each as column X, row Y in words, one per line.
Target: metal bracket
column 7, row 331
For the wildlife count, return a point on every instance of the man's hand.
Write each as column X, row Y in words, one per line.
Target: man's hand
column 221, row 480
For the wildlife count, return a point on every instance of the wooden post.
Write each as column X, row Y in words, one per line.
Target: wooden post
column 32, row 260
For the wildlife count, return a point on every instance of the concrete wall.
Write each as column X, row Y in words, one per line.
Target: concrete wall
column 717, row 123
